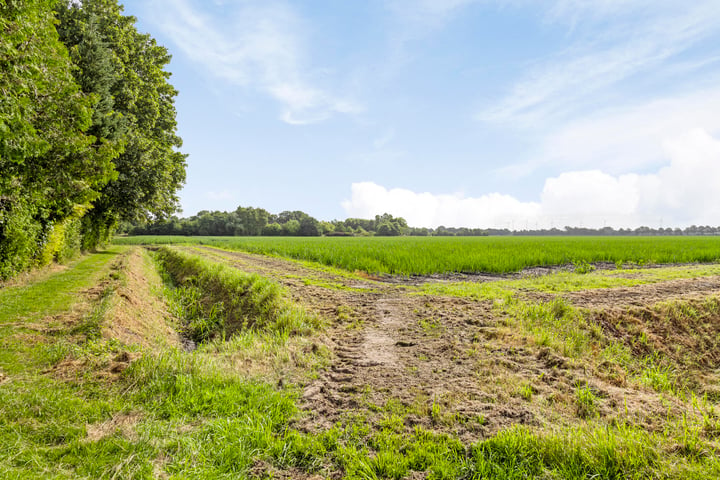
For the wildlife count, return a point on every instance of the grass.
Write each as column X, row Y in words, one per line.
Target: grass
column 418, row 255
column 561, row 282
column 216, row 299
column 57, row 293
column 179, row 414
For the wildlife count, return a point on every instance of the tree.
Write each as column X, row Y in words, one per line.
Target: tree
column 273, row 230
column 291, row 227
column 388, row 229
column 135, row 113
column 253, row 220
column 49, row 169
column 309, row 227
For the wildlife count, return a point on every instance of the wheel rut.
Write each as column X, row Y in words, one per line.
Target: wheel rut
column 447, row 364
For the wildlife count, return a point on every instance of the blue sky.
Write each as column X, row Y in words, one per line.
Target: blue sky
column 481, row 113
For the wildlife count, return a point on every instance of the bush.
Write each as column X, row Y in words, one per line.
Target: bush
column 20, row 236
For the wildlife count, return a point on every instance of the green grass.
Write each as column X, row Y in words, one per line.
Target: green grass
column 420, row 255
column 214, row 298
column 56, row 293
column 191, row 415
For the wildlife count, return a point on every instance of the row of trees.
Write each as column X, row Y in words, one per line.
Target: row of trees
column 87, row 128
column 249, row 221
column 609, row 231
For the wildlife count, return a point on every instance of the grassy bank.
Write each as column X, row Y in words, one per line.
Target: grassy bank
column 217, row 299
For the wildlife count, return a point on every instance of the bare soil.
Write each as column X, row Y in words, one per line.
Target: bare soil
column 621, row 298
column 138, row 315
column 137, row 318
column 123, row 423
column 452, row 365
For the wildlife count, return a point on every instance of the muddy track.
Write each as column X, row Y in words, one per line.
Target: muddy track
column 648, row 294
column 450, row 364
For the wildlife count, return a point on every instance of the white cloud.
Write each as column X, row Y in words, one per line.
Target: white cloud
column 644, row 36
column 629, row 138
column 682, row 193
column 256, row 45
column 430, row 210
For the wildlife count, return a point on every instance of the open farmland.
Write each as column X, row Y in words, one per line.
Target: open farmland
column 242, row 365
column 428, row 255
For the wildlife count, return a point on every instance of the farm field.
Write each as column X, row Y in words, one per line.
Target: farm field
column 428, row 255
column 193, row 361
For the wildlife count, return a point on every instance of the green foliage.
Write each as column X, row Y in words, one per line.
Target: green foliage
column 251, row 221
column 200, row 322
column 47, row 163
column 586, row 401
column 583, row 266
column 19, row 236
column 387, row 229
column 134, row 112
column 92, row 130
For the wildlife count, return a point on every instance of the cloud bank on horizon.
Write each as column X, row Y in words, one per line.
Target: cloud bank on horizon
column 530, row 114
column 683, row 193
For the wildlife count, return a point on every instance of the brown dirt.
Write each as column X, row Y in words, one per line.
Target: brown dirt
column 449, row 364
column 642, row 295
column 139, row 316
column 263, row 469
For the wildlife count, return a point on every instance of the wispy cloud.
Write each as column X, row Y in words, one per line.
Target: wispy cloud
column 644, row 36
column 253, row 44
column 626, row 138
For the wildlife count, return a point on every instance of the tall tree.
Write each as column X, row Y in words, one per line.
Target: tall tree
column 48, row 166
column 135, row 112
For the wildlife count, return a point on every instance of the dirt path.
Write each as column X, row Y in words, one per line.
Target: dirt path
column 448, row 364
column 644, row 295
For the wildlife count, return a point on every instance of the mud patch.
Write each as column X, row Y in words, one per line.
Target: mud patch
column 642, row 295
column 102, row 367
column 263, row 469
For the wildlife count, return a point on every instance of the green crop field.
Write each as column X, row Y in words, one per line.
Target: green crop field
column 427, row 255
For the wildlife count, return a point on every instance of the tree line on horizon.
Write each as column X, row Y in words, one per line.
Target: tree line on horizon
column 87, row 129
column 250, row 221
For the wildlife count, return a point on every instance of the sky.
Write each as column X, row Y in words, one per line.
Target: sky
column 478, row 113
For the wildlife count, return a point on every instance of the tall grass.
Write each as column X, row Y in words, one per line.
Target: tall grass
column 229, row 299
column 427, row 255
